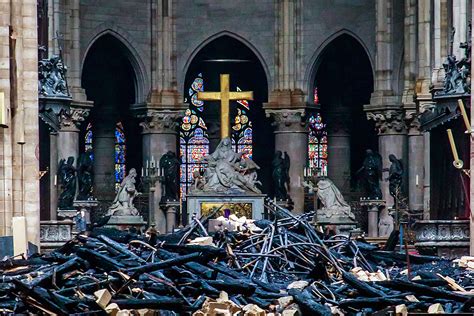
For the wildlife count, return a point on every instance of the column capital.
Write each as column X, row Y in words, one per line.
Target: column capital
column 61, row 115
column 70, row 119
column 412, row 121
column 159, row 121
column 287, row 119
column 338, row 123
column 388, row 122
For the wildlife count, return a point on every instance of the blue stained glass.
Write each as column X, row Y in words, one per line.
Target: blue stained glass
column 194, row 144
column 120, row 155
column 88, row 141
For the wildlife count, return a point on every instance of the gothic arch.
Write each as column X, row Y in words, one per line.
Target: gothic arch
column 141, row 79
column 315, row 60
column 234, row 36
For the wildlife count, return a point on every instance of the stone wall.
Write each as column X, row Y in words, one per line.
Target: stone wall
column 19, row 185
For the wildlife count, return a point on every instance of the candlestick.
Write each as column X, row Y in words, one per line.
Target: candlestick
column 464, row 116
column 457, row 162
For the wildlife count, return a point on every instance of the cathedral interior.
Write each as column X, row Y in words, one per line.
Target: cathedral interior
column 121, row 111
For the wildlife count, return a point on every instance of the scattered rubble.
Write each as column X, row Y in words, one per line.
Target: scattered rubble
column 285, row 267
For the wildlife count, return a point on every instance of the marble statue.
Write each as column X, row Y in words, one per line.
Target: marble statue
column 372, row 174
column 228, row 172
column 395, row 176
column 170, row 164
column 386, row 223
column 67, row 176
column 123, row 202
column 280, row 174
column 335, row 209
column 85, row 174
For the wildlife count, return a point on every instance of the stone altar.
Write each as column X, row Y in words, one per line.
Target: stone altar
column 373, row 206
column 228, row 179
column 195, row 202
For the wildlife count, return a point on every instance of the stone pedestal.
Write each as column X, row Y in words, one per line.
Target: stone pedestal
column 196, row 201
column 126, row 222
column 171, row 210
column 54, row 234
column 372, row 207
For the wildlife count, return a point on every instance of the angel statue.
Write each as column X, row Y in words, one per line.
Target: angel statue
column 280, row 174
column 67, row 176
column 372, row 174
column 123, row 202
column 395, row 176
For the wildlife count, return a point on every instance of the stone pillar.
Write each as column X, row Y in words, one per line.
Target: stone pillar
column 159, row 136
column 104, row 164
column 392, row 140
column 291, row 135
column 415, row 165
column 339, row 149
column 53, row 175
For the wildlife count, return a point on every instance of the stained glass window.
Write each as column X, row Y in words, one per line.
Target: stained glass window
column 315, row 96
column 88, row 138
column 242, row 129
column 120, row 154
column 318, row 144
column 193, row 140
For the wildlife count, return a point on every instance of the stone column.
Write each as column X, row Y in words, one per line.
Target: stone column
column 291, row 135
column 392, row 140
column 70, row 120
column 415, row 165
column 53, row 175
column 159, row 136
column 339, row 149
column 104, row 164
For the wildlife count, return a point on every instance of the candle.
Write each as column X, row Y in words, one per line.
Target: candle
column 55, row 180
column 464, row 116
column 416, row 180
column 457, row 162
column 147, row 164
column 304, row 171
column 142, row 171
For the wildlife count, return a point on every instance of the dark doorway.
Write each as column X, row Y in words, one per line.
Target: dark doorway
column 110, row 81
column 226, row 55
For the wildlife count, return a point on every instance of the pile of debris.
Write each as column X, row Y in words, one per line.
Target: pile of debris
column 285, row 267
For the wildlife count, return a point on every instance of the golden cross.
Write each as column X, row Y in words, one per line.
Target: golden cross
column 225, row 96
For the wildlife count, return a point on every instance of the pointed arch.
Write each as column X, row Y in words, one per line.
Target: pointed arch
column 315, row 60
column 141, row 82
column 235, row 36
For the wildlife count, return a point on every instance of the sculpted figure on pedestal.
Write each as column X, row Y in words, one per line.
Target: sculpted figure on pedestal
column 386, row 223
column 335, row 208
column 280, row 174
column 395, row 176
column 169, row 163
column 85, row 172
column 52, row 77
column 123, row 202
column 227, row 171
column 372, row 174
column 67, row 176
